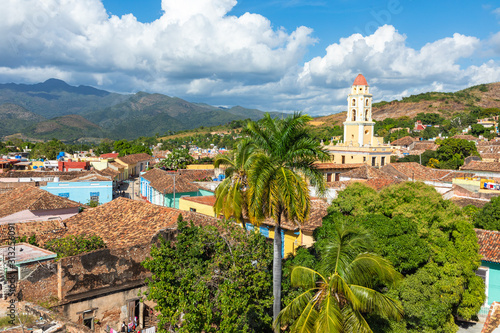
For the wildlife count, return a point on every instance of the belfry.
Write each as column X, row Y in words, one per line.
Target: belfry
column 359, row 145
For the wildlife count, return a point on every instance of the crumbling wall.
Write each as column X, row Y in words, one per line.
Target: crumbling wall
column 39, row 283
column 103, row 268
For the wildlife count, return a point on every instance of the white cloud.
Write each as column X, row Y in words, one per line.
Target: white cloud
column 198, row 51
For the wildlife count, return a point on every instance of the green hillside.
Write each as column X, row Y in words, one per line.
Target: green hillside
column 67, row 128
column 14, row 118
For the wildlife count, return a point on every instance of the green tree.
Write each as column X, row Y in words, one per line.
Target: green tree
column 178, row 159
column 428, row 239
column 452, row 152
column 284, row 160
column 212, row 279
column 230, row 194
column 489, row 216
column 336, row 296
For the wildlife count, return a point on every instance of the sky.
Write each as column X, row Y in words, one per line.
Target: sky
column 273, row 55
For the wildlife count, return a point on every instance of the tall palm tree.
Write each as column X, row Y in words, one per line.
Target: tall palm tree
column 230, row 199
column 282, row 164
column 334, row 300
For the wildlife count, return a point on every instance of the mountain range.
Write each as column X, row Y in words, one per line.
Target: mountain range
column 55, row 109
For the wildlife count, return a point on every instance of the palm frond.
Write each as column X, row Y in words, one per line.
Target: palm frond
column 354, row 321
column 371, row 301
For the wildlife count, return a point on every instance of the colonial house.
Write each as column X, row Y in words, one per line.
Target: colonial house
column 134, row 164
column 166, row 188
column 489, row 248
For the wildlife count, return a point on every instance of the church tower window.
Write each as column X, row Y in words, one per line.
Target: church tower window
column 353, row 102
column 353, row 115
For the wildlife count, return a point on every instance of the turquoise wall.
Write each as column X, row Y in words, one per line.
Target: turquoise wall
column 169, row 198
column 82, row 191
column 493, row 281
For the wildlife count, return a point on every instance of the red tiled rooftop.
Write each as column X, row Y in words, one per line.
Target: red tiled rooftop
column 205, row 200
column 337, row 166
column 32, row 198
column 360, row 81
column 135, row 158
column 489, row 244
column 124, row 222
column 482, row 166
column 110, row 155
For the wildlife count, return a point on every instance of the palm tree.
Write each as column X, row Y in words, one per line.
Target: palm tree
column 281, row 166
column 334, row 300
column 230, row 197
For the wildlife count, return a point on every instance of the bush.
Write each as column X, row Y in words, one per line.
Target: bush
column 73, row 245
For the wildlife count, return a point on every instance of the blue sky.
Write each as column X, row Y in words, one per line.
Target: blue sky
column 272, row 55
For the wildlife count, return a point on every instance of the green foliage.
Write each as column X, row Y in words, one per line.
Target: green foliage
column 30, row 240
column 489, row 216
column 429, row 240
column 124, row 147
column 429, row 118
column 424, row 157
column 178, row 159
column 212, row 281
column 346, row 286
column 478, row 129
column 452, row 152
column 26, row 319
column 73, row 245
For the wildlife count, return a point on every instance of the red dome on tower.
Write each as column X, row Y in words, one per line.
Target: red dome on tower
column 360, row 81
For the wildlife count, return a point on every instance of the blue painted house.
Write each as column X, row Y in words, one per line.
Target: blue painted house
column 164, row 188
column 82, row 192
column 489, row 248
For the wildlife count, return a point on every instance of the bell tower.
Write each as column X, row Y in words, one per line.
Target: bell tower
column 358, row 127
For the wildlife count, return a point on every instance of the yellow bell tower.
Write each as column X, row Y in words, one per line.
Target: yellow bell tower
column 358, row 127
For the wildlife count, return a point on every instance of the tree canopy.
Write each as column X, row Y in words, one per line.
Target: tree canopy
column 212, row 279
column 429, row 240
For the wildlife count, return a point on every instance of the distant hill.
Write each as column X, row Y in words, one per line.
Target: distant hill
column 69, row 128
column 145, row 114
column 444, row 104
column 108, row 115
column 54, row 98
column 14, row 118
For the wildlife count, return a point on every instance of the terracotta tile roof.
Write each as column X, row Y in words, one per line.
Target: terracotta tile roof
column 116, row 165
column 44, row 230
column 337, row 166
column 32, row 198
column 110, row 155
column 465, row 137
column 108, row 172
column 318, row 211
column 367, row 172
column 482, row 166
column 489, row 244
column 424, row 145
column 205, row 200
column 95, row 176
column 360, row 81
column 135, row 158
column 63, row 175
column 492, row 321
column 404, row 141
column 379, row 183
column 489, row 149
column 124, row 222
column 415, row 171
column 490, row 156
column 163, row 181
column 463, row 201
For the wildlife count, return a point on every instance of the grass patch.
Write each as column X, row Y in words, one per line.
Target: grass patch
column 26, row 319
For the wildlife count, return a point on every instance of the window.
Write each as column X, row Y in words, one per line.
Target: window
column 353, row 102
column 94, row 196
column 364, row 158
column 353, row 115
column 343, row 159
column 352, row 157
column 367, row 103
column 374, row 161
column 483, row 273
column 88, row 319
column 192, row 209
column 382, row 161
column 64, row 195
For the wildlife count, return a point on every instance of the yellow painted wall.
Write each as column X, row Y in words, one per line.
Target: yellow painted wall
column 186, row 205
column 467, row 181
column 99, row 165
column 200, row 167
column 352, row 133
